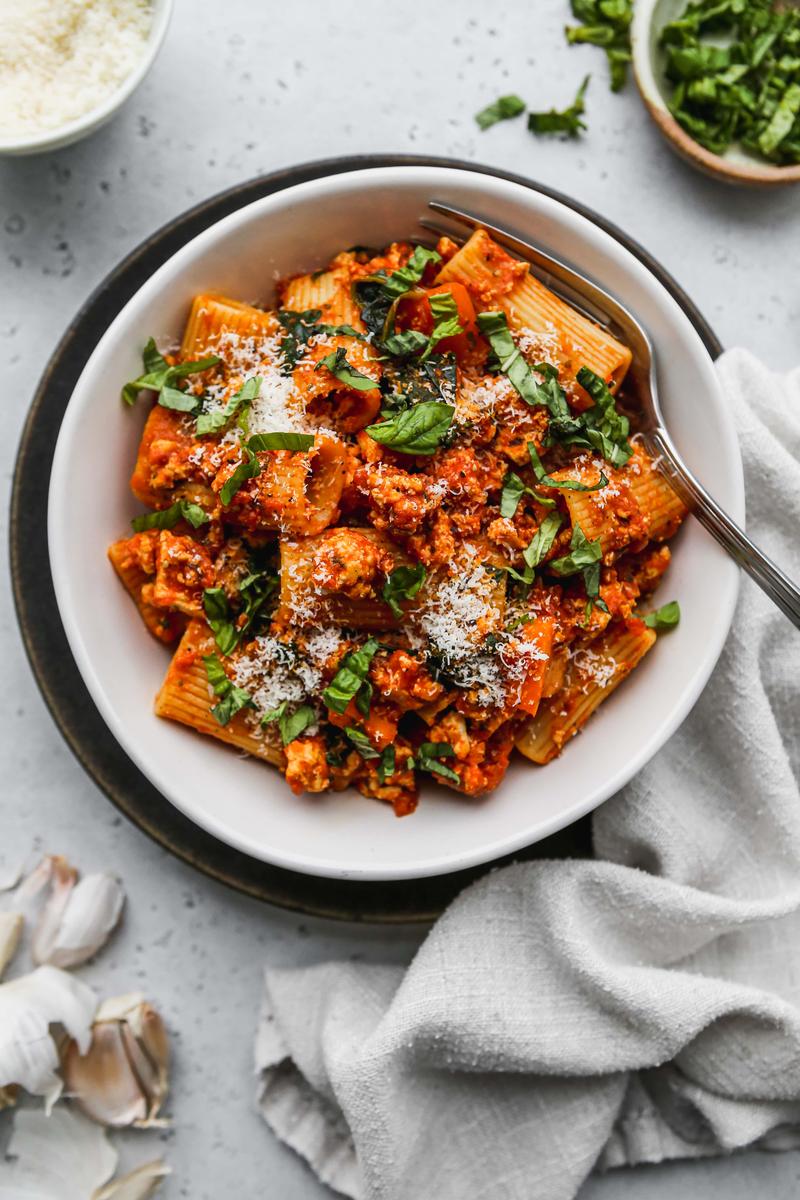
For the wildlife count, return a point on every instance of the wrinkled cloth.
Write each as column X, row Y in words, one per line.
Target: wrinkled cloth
column 635, row 1007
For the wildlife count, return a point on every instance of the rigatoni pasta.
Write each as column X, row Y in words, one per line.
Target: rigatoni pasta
column 397, row 524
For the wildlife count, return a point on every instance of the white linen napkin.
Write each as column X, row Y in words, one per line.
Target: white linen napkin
column 560, row 1016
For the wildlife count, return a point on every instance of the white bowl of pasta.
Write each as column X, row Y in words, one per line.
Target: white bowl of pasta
column 394, row 533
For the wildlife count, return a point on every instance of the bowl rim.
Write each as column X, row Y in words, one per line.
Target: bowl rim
column 81, row 126
column 753, row 172
column 442, row 863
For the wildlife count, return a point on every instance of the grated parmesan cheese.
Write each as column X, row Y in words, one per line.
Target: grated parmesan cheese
column 59, row 59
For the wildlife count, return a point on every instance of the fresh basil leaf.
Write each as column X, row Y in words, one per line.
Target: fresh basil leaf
column 280, row 441
column 178, row 401
column 386, row 766
column 606, row 24
column 606, row 429
column 583, row 553
column 526, row 577
column 249, row 469
column 160, row 377
column 501, row 109
column 494, row 327
column 361, row 742
column 377, row 295
column 403, row 584
column 567, row 121
column 427, row 756
column 232, row 698
column 666, row 617
column 218, row 616
column 167, row 518
column 212, row 422
column 342, row 370
column 350, row 676
column 569, row 485
column 408, row 341
column 513, row 491
column 542, row 540
column 298, row 327
column 418, row 430
column 446, row 321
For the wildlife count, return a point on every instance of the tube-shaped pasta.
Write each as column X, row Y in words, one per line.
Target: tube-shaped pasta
column 185, row 696
column 329, row 291
column 212, row 315
column 367, row 555
column 496, row 281
column 126, row 559
column 662, row 508
column 592, row 675
column 611, row 513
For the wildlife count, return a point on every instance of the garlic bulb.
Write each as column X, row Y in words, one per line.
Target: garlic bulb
column 28, row 1007
column 123, row 1079
column 76, row 918
column 10, row 930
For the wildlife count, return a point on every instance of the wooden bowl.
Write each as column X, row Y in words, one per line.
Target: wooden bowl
column 736, row 165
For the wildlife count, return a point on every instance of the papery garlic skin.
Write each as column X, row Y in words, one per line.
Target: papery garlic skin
column 138, row 1185
column 28, row 1007
column 58, row 1157
column 10, row 931
column 123, row 1079
column 77, row 917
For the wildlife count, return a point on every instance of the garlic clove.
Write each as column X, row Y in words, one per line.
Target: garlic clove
column 10, row 930
column 102, row 1082
column 123, row 1079
column 28, row 1007
column 60, row 1157
column 138, row 1185
column 77, row 916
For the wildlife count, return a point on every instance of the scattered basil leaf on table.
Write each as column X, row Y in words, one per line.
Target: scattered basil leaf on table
column 567, row 121
column 504, row 108
column 605, row 23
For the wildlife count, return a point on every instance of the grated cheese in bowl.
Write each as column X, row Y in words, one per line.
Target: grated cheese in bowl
column 62, row 59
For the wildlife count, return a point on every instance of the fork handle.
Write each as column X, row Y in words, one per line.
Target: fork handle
column 769, row 577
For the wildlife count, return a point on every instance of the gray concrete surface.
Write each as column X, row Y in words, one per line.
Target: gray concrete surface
column 246, row 87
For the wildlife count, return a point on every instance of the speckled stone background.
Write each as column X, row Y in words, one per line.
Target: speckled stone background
column 242, row 88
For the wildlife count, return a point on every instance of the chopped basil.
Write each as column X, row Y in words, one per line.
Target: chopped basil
column 361, row 742
column 501, row 109
column 351, row 677
column 408, row 382
column 418, row 430
column 567, row 121
column 427, row 756
column 446, row 322
column 570, row 485
column 603, row 427
column 387, row 765
column 510, row 360
column 300, row 327
column 513, row 491
column 339, row 367
column 167, row 518
column 377, row 295
column 583, row 559
column 249, row 469
column 218, row 615
column 542, row 540
column 291, row 725
column 280, row 441
column 403, row 584
column 160, row 377
column 735, row 70
column 232, row 698
column 666, row 617
column 526, row 576
column 605, row 23
column 212, row 422
column 405, row 343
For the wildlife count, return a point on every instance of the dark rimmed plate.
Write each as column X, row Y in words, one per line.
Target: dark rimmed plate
column 45, row 641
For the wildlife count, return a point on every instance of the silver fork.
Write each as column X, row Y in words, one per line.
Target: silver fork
column 599, row 306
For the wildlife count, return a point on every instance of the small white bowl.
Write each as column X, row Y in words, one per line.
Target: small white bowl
column 81, row 127
column 736, row 165
column 245, row 803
